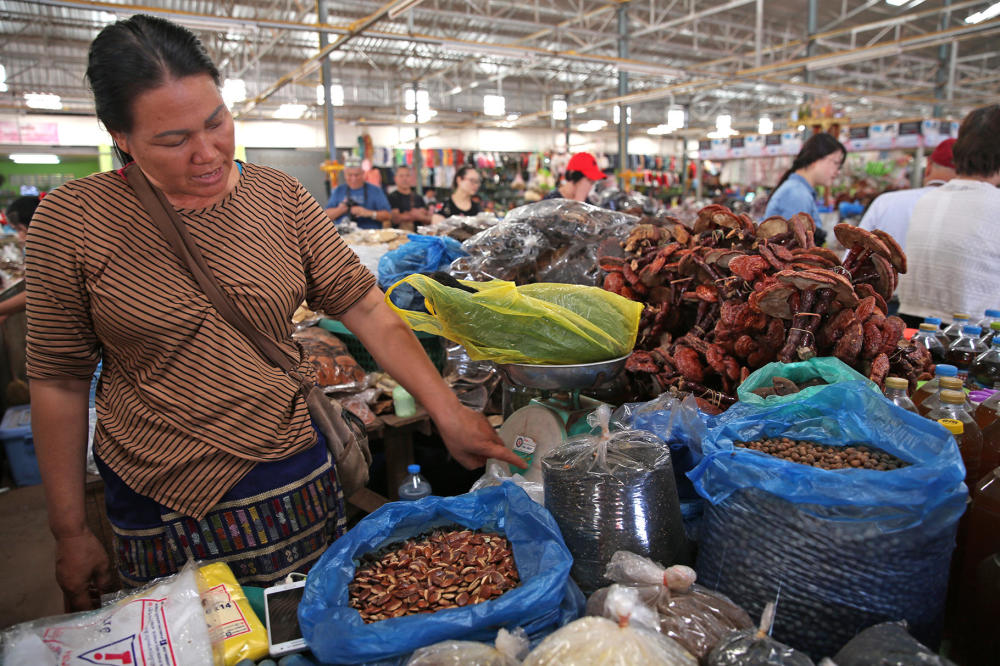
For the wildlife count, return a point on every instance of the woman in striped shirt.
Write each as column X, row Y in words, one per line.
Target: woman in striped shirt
column 206, row 450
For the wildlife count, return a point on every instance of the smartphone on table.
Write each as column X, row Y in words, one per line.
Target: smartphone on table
column 281, row 607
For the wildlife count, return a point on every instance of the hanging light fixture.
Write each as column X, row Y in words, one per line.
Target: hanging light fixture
column 43, row 101
column 336, row 94
column 494, row 105
column 234, row 91
column 559, row 108
column 765, row 125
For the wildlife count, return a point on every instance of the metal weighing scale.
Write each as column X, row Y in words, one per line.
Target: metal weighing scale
column 553, row 408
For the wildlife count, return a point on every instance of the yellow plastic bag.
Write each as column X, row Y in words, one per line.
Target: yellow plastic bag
column 542, row 323
column 231, row 621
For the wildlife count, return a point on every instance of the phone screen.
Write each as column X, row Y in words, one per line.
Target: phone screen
column 282, row 615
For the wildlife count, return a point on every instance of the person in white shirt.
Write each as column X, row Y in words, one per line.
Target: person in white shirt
column 891, row 211
column 953, row 244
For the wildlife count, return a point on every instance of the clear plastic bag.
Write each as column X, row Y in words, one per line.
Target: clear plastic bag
column 887, row 644
column 336, row 369
column 755, row 647
column 507, row 251
column 497, row 472
column 692, row 615
column 508, row 650
column 627, row 474
column 629, row 639
column 161, row 624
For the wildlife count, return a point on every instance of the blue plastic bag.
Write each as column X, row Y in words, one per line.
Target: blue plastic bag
column 545, row 599
column 828, row 368
column 840, row 550
column 421, row 255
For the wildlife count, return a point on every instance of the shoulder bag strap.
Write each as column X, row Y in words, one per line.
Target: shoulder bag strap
column 176, row 233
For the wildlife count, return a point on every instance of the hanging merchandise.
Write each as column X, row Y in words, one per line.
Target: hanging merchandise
column 841, row 548
column 627, row 474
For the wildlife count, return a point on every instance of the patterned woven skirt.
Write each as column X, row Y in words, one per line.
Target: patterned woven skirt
column 276, row 520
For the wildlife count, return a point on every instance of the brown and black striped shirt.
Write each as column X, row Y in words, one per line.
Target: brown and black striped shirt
column 186, row 406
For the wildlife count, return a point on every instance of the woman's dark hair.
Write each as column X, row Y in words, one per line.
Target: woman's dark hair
column 21, row 210
column 814, row 149
column 131, row 57
column 977, row 150
column 573, row 176
column 460, row 174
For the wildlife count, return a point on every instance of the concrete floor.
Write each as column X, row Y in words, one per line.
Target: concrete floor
column 28, row 588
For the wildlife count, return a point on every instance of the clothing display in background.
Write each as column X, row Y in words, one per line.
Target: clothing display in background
column 952, row 251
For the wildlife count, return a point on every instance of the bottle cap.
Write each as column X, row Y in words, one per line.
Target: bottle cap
column 931, row 327
column 950, row 383
column 958, row 316
column 993, row 314
column 995, row 325
column 971, row 330
column 413, row 469
column 951, row 397
column 945, row 370
column 933, row 320
column 954, row 426
column 896, row 383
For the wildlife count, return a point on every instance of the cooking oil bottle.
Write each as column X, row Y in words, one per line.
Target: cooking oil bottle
column 945, row 384
column 896, row 391
column 953, row 415
column 931, row 387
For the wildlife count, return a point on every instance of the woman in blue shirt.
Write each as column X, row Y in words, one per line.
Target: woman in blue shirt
column 818, row 163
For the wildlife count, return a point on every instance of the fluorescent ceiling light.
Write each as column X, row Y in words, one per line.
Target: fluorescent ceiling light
column 483, row 48
column 3, row 79
column 592, row 126
column 423, row 115
column 290, row 111
column 233, row 91
column 660, row 129
column 494, row 105
column 896, row 3
column 455, row 90
column 34, row 158
column 336, row 94
column 559, row 107
column 653, row 69
column 988, row 13
column 851, row 57
column 722, row 134
column 43, row 101
column 765, row 125
column 724, row 122
column 511, row 117
column 397, row 8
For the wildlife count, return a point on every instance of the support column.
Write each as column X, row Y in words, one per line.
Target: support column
column 917, row 175
column 941, row 77
column 622, row 90
column 418, row 158
column 810, row 31
column 759, row 31
column 324, row 40
column 566, row 124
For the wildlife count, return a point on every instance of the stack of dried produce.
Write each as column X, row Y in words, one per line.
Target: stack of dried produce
column 445, row 569
column 727, row 296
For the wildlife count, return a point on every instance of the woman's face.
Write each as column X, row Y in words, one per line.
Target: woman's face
column 183, row 140
column 469, row 183
column 825, row 170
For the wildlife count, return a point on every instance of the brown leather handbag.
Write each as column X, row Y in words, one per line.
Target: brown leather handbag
column 345, row 434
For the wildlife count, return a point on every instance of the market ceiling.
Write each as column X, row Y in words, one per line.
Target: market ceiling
column 742, row 57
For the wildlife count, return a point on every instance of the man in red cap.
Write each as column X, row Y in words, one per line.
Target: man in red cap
column 581, row 174
column 891, row 211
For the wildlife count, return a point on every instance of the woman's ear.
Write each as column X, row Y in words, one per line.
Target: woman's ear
column 121, row 140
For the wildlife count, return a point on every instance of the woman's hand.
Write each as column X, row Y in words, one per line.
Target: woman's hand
column 83, row 571
column 471, row 439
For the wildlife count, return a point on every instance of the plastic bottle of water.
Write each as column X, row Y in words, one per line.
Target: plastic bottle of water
column 992, row 333
column 989, row 317
column 958, row 321
column 985, row 370
column 927, row 335
column 964, row 350
column 936, row 321
column 414, row 487
column 895, row 390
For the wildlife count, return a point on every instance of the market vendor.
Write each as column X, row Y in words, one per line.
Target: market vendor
column 817, row 163
column 206, row 450
column 408, row 208
column 357, row 200
column 463, row 199
column 578, row 179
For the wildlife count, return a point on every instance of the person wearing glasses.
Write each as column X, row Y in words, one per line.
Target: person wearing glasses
column 463, row 196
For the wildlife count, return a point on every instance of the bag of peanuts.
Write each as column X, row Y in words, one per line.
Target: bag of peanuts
column 628, row 638
column 412, row 574
column 840, row 504
column 692, row 615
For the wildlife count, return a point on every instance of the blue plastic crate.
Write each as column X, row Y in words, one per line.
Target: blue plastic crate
column 15, row 432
